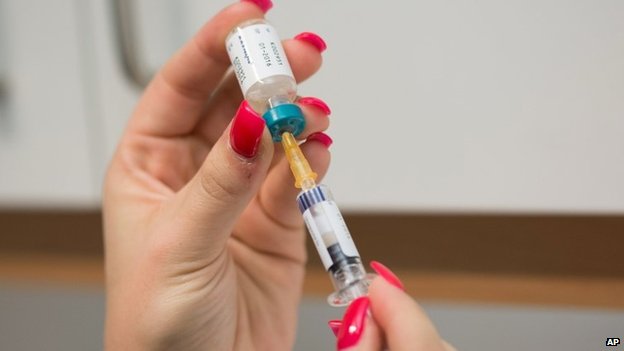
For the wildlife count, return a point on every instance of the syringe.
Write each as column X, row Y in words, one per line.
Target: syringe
column 327, row 228
column 268, row 84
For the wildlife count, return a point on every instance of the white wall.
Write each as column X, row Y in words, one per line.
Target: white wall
column 438, row 105
column 479, row 106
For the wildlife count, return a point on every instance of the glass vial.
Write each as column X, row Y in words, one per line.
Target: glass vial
column 264, row 75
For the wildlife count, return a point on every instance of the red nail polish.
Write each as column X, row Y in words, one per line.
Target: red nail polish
column 264, row 5
column 353, row 323
column 334, row 325
column 313, row 39
column 246, row 131
column 321, row 138
column 316, row 102
column 387, row 274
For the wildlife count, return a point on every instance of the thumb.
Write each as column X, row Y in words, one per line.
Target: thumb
column 207, row 208
column 404, row 323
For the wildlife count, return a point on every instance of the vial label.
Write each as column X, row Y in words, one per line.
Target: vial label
column 256, row 53
column 327, row 227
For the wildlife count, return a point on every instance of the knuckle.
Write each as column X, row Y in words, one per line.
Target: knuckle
column 218, row 185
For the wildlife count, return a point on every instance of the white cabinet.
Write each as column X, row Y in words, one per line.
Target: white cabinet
column 440, row 106
column 48, row 132
column 155, row 29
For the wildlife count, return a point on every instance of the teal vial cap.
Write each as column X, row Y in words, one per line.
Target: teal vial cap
column 284, row 118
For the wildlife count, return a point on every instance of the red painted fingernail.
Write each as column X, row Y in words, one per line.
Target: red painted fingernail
column 313, row 39
column 334, row 325
column 246, row 131
column 387, row 274
column 321, row 138
column 353, row 323
column 315, row 102
column 264, row 5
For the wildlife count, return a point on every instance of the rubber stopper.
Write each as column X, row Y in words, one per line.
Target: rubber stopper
column 284, row 118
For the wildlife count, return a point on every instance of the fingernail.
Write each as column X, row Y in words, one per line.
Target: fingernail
column 334, row 325
column 387, row 274
column 246, row 131
column 313, row 39
column 264, row 5
column 321, row 138
column 315, row 102
column 353, row 323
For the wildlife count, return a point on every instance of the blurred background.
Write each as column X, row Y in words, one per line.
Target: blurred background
column 478, row 151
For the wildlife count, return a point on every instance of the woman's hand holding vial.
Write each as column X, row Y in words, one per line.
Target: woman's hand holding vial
column 204, row 241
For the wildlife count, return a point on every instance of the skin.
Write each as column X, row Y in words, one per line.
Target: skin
column 204, row 248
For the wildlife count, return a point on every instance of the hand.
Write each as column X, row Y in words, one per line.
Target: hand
column 204, row 241
column 397, row 323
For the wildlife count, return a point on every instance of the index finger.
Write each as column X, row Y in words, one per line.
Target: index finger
column 173, row 102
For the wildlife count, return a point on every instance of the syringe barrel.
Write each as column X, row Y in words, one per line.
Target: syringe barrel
column 334, row 244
